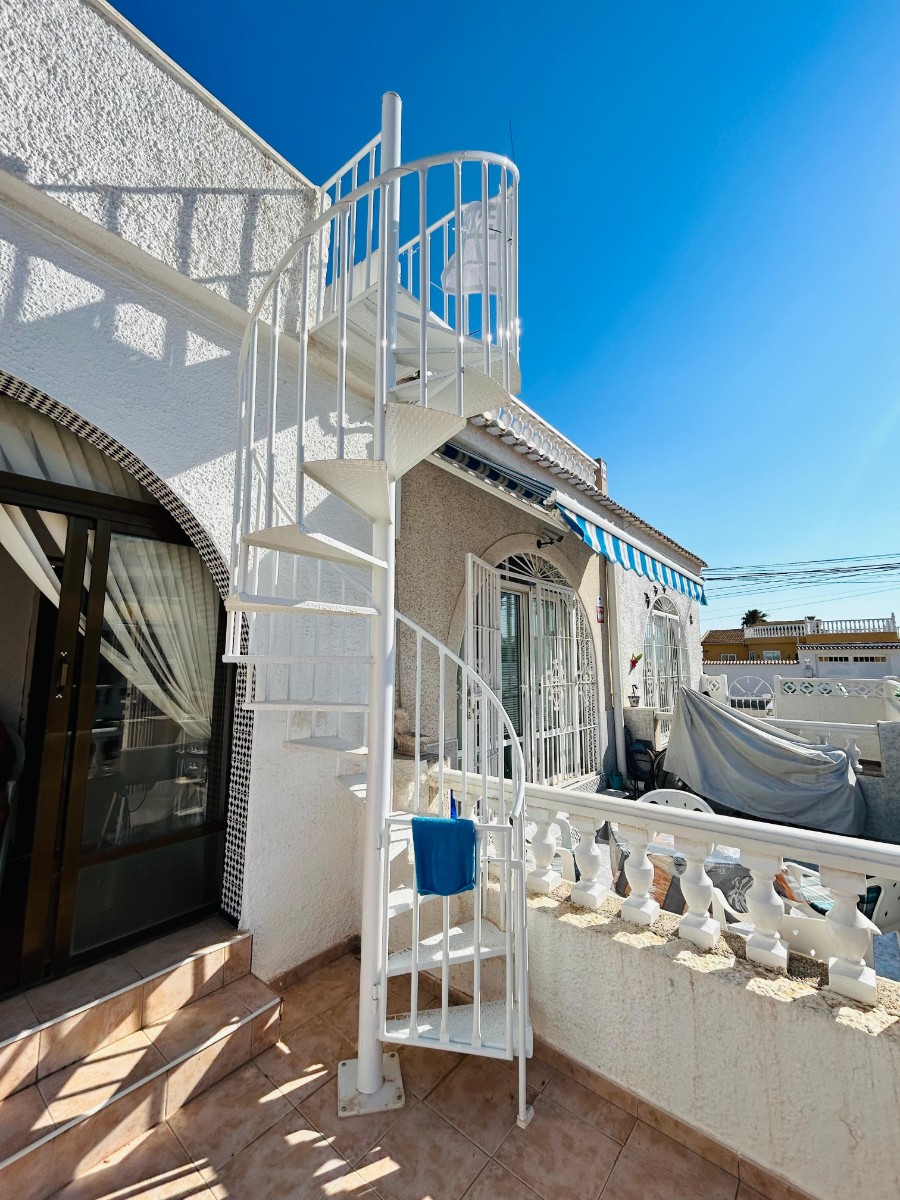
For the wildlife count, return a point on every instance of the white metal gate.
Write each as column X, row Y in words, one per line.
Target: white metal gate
column 555, row 670
column 482, row 653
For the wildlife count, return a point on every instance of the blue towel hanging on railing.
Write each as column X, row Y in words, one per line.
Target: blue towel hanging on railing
column 445, row 855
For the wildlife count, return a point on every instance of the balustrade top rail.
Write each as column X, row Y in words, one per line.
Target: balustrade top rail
column 814, row 625
column 858, row 855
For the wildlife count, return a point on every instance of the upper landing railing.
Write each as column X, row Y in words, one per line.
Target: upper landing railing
column 812, row 626
column 458, row 275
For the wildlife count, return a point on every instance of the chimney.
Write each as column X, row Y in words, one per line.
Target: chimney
column 600, row 476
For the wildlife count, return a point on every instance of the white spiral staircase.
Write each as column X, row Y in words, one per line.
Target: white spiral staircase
column 363, row 356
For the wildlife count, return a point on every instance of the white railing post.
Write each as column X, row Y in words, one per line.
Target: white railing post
column 696, row 925
column 639, row 908
column 851, row 936
column 588, row 892
column 543, row 878
column 766, row 909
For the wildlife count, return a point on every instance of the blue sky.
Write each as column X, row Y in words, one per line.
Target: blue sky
column 710, row 232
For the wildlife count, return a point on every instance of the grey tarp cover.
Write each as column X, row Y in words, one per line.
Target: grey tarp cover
column 749, row 765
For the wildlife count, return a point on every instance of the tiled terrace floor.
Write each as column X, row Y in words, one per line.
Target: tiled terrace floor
column 270, row 1131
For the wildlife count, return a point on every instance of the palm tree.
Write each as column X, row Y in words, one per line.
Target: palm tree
column 753, row 616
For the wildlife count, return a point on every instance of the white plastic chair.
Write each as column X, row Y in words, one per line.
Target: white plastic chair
column 673, row 798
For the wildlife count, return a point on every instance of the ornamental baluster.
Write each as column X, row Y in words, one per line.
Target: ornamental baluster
column 696, row 924
column 543, row 878
column 853, row 754
column 766, row 909
column 639, row 907
column 851, row 932
column 589, row 892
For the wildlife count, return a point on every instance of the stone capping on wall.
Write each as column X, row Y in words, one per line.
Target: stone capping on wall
column 242, row 720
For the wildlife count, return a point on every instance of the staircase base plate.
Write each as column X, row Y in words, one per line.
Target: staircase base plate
column 352, row 1103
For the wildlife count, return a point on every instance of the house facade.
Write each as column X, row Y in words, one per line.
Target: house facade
column 866, row 647
column 132, row 255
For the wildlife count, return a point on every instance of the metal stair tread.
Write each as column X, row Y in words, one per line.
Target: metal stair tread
column 461, row 942
column 459, row 1023
column 326, row 743
column 360, row 482
column 242, row 602
column 355, row 782
column 300, row 660
column 412, row 433
column 400, row 900
column 294, row 540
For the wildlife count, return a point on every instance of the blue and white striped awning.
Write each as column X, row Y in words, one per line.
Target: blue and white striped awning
column 632, row 557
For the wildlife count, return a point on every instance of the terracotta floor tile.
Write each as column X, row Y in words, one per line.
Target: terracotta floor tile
column 16, row 1015
column 345, row 1015
column 496, row 1183
column 322, row 990
column 172, row 949
column 152, row 1167
column 424, row 1069
column 76, row 1036
column 51, row 1000
column 560, row 1156
column 291, row 1161
column 537, row 1072
column 252, row 992
column 219, row 1124
column 23, row 1119
column 608, row 1118
column 422, row 1158
column 18, row 1062
column 708, row 1180
column 351, row 1137
column 748, row 1193
column 481, row 1099
column 237, row 957
column 182, row 985
column 203, row 1069
column 191, row 1026
column 634, row 1178
column 304, row 1059
column 97, row 1078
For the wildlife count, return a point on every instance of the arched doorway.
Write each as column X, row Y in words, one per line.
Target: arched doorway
column 112, row 697
column 665, row 658
column 532, row 639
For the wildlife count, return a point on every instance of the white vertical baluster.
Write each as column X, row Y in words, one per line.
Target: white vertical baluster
column 589, row 892
column 486, row 278
column 414, row 980
column 423, row 288
column 543, row 879
column 418, row 724
column 766, row 909
column 458, row 240
column 849, row 972
column 639, row 908
column 445, row 970
column 503, row 283
column 696, row 925
column 354, row 175
column 443, row 264
column 272, row 411
column 853, row 753
column 480, row 841
column 302, row 379
column 342, row 334
column 444, row 801
column 513, row 252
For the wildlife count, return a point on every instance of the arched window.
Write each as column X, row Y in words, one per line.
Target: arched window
column 665, row 660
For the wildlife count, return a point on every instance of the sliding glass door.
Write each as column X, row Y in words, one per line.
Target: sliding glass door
column 118, row 821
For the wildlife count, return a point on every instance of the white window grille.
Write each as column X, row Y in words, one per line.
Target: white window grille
column 771, row 656
column 665, row 660
column 530, row 634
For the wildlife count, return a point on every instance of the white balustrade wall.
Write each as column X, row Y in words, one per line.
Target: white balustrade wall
column 844, row 864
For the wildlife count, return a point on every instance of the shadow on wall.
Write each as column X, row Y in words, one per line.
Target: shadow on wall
column 190, row 228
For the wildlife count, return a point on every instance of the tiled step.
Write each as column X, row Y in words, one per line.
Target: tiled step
column 51, row 1026
column 58, row 1128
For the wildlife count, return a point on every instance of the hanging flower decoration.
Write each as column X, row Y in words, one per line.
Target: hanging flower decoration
column 635, row 659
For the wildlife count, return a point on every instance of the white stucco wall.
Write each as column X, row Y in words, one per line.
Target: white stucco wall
column 99, row 119
column 794, row 1078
